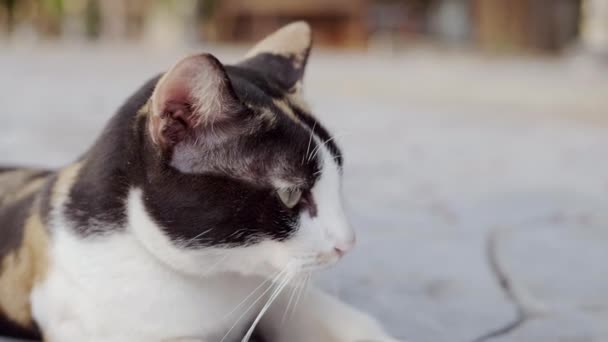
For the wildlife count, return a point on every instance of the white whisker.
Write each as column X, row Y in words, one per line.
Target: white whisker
column 198, row 236
column 316, row 149
column 275, row 294
column 300, row 292
column 249, row 295
column 252, row 304
column 312, row 131
column 291, row 296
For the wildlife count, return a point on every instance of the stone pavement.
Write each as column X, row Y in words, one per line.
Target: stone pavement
column 478, row 186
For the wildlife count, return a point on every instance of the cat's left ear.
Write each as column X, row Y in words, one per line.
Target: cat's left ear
column 282, row 56
column 192, row 101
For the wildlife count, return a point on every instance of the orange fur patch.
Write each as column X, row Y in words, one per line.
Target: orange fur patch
column 23, row 268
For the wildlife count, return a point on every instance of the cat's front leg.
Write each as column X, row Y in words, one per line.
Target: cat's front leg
column 320, row 317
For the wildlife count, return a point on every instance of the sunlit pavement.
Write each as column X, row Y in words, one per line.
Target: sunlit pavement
column 461, row 171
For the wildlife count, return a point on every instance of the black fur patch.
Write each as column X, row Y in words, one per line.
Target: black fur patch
column 321, row 132
column 253, row 86
column 285, row 71
column 97, row 198
column 10, row 329
column 225, row 211
column 259, row 88
column 275, row 76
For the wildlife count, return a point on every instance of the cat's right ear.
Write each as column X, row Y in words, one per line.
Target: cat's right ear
column 195, row 94
column 282, row 56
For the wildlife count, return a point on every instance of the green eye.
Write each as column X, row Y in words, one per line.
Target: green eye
column 290, row 197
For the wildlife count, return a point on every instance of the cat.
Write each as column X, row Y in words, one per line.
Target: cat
column 197, row 215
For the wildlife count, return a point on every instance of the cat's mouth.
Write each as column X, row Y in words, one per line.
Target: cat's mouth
column 317, row 262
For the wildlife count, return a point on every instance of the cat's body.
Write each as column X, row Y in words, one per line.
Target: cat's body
column 169, row 229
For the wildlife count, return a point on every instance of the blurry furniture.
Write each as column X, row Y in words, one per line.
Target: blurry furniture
column 594, row 26
column 543, row 25
column 336, row 22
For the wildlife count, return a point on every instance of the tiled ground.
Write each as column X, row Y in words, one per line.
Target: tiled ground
column 442, row 149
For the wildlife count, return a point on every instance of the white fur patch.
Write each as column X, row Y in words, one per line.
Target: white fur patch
column 329, row 229
column 113, row 288
column 136, row 285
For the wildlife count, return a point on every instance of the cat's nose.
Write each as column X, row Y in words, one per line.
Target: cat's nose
column 344, row 247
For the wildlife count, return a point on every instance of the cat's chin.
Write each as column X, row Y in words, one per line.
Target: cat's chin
column 264, row 270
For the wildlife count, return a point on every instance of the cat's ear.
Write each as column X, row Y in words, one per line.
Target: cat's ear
column 282, row 56
column 194, row 94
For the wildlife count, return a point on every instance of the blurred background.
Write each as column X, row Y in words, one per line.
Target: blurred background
column 475, row 135
column 515, row 26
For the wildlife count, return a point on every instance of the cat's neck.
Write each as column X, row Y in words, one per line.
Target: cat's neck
column 114, row 164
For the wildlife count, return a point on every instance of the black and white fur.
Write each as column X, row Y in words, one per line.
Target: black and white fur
column 198, row 214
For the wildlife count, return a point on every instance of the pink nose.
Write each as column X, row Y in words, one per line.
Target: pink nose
column 343, row 247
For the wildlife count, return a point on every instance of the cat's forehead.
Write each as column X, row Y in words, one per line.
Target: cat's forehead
column 279, row 150
column 269, row 95
column 254, row 87
column 283, row 142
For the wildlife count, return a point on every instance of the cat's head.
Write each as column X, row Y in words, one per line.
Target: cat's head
column 239, row 172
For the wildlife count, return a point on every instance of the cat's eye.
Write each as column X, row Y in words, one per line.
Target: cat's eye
column 290, row 197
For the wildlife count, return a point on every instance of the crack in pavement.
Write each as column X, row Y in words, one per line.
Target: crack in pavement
column 526, row 306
